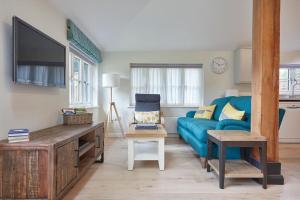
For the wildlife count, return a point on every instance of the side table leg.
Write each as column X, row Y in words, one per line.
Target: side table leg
column 161, row 153
column 209, row 154
column 263, row 160
column 130, row 154
column 222, row 157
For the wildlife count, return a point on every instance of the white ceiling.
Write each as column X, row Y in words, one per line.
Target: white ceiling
column 159, row 25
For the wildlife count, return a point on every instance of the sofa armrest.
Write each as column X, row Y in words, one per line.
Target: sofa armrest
column 190, row 114
column 227, row 124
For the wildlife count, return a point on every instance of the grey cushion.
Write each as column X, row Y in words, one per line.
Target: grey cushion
column 147, row 102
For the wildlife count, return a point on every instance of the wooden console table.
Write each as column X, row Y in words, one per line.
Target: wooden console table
column 50, row 164
column 236, row 168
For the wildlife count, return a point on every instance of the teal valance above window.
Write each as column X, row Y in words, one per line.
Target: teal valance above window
column 82, row 42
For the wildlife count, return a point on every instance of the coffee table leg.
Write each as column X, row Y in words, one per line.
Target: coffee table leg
column 130, row 154
column 161, row 153
column 222, row 155
column 209, row 154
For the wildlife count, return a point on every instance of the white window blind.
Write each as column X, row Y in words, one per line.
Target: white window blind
column 178, row 84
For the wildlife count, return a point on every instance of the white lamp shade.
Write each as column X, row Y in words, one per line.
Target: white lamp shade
column 231, row 92
column 110, row 80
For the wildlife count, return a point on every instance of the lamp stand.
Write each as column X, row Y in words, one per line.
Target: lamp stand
column 112, row 106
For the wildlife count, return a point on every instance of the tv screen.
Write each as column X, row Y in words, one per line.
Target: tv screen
column 38, row 59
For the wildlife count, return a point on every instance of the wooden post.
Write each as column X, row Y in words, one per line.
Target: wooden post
column 265, row 72
column 265, row 82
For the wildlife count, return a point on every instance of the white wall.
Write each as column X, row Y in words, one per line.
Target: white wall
column 21, row 106
column 214, row 84
column 290, row 57
column 28, row 106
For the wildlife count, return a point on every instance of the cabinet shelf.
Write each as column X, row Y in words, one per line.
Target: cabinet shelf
column 86, row 148
column 84, row 164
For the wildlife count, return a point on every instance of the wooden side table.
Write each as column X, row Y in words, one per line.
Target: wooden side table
column 143, row 136
column 236, row 168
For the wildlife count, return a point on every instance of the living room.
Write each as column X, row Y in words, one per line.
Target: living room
column 193, row 55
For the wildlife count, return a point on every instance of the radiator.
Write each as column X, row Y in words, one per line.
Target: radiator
column 171, row 124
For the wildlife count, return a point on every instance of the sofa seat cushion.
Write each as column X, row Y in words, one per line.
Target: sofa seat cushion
column 198, row 127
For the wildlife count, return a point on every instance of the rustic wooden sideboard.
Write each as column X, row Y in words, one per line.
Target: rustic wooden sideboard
column 50, row 164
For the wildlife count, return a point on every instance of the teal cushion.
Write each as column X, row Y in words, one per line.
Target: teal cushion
column 220, row 103
column 281, row 115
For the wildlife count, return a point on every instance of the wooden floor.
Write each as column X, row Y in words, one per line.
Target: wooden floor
column 183, row 178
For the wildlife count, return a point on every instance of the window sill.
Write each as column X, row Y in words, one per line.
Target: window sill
column 171, row 106
column 84, row 106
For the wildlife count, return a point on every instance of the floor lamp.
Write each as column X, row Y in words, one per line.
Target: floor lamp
column 111, row 81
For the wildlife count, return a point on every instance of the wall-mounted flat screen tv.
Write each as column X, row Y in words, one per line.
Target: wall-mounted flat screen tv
column 37, row 58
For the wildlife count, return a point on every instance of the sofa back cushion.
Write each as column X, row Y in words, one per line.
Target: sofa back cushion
column 220, row 103
column 242, row 103
column 149, row 117
column 147, row 102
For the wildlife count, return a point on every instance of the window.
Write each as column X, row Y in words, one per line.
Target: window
column 289, row 80
column 83, row 85
column 178, row 84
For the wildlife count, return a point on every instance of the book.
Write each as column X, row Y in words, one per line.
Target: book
column 15, row 141
column 18, row 134
column 18, row 138
column 18, row 131
column 68, row 111
column 80, row 110
column 146, row 126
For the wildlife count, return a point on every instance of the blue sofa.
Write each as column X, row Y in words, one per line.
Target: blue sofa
column 194, row 131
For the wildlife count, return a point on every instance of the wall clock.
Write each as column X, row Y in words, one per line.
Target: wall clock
column 219, row 65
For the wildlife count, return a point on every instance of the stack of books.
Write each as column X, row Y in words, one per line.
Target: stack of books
column 18, row 135
column 146, row 126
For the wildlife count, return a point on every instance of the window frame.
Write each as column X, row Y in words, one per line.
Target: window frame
column 291, row 77
column 82, row 81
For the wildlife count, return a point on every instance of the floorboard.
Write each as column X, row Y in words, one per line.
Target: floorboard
column 183, row 178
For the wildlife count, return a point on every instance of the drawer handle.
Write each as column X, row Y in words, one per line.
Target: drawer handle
column 77, row 158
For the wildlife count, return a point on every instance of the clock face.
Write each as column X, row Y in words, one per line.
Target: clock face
column 219, row 65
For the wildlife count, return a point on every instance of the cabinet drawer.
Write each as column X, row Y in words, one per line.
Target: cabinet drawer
column 23, row 174
column 66, row 165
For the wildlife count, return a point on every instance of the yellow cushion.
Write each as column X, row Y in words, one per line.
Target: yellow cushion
column 205, row 112
column 229, row 112
column 151, row 117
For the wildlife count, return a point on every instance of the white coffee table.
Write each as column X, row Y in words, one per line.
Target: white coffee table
column 143, row 137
